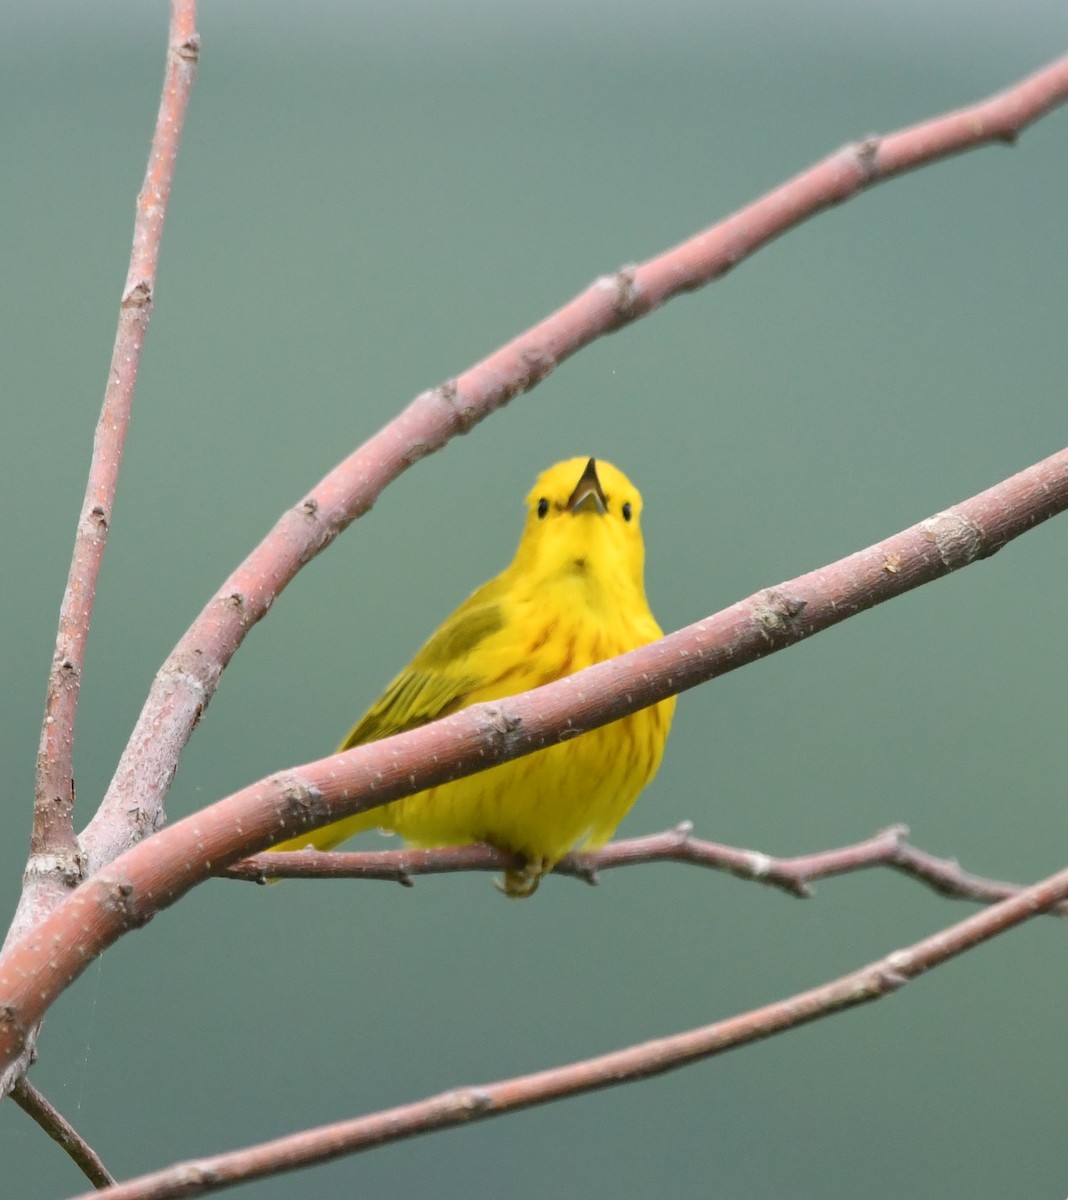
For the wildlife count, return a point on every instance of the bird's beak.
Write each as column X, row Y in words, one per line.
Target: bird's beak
column 588, row 495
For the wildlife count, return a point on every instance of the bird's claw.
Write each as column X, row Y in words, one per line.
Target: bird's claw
column 521, row 883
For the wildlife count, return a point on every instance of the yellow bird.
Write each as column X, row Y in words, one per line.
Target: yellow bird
column 573, row 596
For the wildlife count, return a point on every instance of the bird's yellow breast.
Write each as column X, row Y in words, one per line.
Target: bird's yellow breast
column 575, row 792
column 573, row 596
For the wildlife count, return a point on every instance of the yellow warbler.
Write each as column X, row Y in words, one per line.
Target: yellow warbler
column 573, row 595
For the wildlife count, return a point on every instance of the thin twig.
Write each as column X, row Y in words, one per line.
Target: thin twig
column 60, row 1130
column 55, row 863
column 890, row 849
column 158, row 871
column 133, row 806
column 791, row 875
column 464, row 1105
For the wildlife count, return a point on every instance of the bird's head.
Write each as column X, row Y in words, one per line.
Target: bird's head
column 583, row 520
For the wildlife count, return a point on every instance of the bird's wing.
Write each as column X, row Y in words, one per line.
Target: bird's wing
column 440, row 677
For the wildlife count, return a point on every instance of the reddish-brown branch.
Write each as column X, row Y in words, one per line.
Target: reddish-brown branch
column 159, row 870
column 60, row 1130
column 678, row 845
column 55, row 861
column 187, row 681
column 643, row 1061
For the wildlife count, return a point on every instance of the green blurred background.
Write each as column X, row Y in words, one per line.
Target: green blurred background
column 370, row 198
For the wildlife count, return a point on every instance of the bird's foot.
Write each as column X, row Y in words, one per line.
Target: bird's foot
column 520, row 884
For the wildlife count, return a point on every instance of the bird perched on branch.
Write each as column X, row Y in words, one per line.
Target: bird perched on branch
column 573, row 596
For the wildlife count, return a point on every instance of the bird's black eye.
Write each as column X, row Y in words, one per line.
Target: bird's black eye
column 543, row 507
column 628, row 512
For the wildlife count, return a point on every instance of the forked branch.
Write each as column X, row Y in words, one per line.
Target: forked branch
column 55, row 861
column 68, row 930
column 187, row 681
column 795, row 876
column 478, row 1103
column 159, row 870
